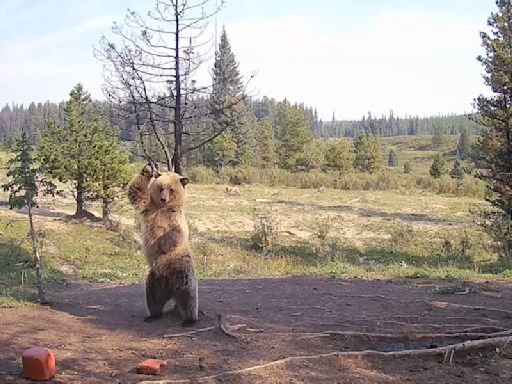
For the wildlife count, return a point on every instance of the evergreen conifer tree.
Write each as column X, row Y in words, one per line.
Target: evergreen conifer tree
column 392, row 159
column 222, row 150
column 437, row 138
column 368, row 153
column 229, row 111
column 457, row 173
column 494, row 148
column 438, row 166
column 407, row 167
column 83, row 152
column 293, row 134
column 339, row 156
column 111, row 173
column 463, row 145
column 25, row 184
column 265, row 156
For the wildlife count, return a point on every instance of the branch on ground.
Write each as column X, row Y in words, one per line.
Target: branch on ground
column 447, row 351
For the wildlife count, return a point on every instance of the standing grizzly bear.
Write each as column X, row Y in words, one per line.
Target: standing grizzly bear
column 159, row 199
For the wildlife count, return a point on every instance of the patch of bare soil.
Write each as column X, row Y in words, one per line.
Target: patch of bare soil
column 286, row 330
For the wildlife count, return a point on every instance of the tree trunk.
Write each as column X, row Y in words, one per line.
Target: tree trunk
column 40, row 292
column 105, row 203
column 178, row 122
column 79, row 202
column 107, row 221
column 80, row 197
column 202, row 151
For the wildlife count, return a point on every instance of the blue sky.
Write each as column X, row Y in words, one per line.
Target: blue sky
column 341, row 56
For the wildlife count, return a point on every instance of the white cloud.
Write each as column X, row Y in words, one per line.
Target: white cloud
column 94, row 24
column 6, row 6
column 409, row 61
column 412, row 62
column 39, row 68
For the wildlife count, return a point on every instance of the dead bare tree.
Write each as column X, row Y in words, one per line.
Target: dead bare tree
column 150, row 76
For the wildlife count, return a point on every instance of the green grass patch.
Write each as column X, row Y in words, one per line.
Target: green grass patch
column 69, row 250
column 14, row 299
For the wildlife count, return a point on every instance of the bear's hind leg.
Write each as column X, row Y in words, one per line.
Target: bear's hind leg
column 158, row 293
column 187, row 301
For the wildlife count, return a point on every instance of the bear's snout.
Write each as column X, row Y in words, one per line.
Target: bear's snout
column 164, row 195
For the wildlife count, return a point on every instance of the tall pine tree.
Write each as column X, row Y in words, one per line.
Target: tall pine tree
column 457, row 173
column 228, row 109
column 67, row 151
column 82, row 153
column 339, row 156
column 222, row 150
column 438, row 166
column 265, row 155
column 368, row 153
column 111, row 173
column 463, row 145
column 293, row 134
column 494, row 149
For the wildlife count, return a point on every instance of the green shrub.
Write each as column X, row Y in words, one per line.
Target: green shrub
column 239, row 175
column 382, row 180
column 266, row 231
column 202, row 175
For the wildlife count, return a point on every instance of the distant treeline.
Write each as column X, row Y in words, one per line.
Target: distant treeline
column 381, row 126
column 32, row 119
column 397, row 126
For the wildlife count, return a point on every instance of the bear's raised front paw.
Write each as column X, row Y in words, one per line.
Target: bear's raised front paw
column 150, row 170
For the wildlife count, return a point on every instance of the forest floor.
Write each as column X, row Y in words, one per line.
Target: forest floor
column 305, row 325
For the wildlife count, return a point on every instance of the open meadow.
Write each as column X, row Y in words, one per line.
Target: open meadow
column 327, row 273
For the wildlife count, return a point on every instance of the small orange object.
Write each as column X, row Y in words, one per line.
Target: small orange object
column 152, row 367
column 38, row 364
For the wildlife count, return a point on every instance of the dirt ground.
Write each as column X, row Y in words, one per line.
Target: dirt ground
column 98, row 336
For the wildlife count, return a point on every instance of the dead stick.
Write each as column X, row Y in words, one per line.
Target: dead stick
column 224, row 327
column 194, row 332
column 449, row 349
column 220, row 323
column 418, row 336
column 444, row 304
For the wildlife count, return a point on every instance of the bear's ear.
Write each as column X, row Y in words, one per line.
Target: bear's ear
column 184, row 180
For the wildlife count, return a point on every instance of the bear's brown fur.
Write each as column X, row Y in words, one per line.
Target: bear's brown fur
column 160, row 199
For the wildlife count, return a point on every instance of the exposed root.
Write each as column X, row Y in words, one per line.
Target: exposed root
column 309, row 307
column 439, row 304
column 365, row 323
column 226, row 328
column 448, row 352
column 220, row 323
column 190, row 333
column 418, row 336
column 441, row 318
column 381, row 297
column 444, row 304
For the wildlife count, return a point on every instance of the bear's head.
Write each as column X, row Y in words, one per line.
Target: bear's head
column 168, row 190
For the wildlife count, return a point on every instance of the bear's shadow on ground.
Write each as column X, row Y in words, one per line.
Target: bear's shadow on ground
column 302, row 304
column 113, row 307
